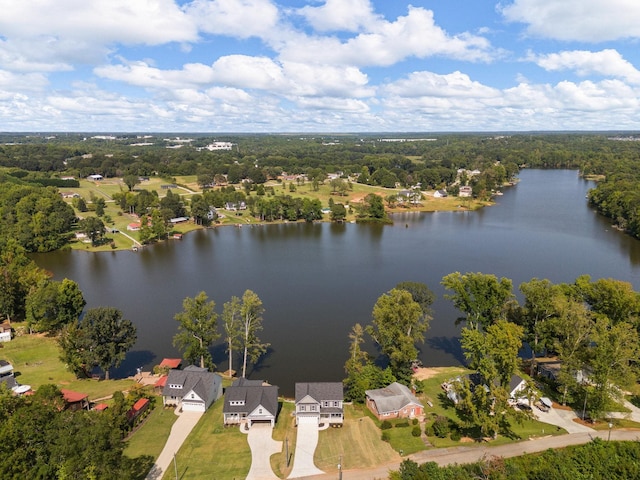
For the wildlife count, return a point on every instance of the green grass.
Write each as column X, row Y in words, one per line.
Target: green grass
column 36, row 362
column 358, row 443
column 150, row 438
column 213, row 451
column 285, row 432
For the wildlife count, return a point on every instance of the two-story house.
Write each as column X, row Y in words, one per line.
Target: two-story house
column 320, row 402
column 193, row 389
column 250, row 401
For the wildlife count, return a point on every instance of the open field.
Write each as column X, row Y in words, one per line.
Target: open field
column 35, row 359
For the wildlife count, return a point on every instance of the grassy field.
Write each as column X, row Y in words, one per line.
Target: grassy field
column 35, row 360
column 150, row 438
column 213, row 451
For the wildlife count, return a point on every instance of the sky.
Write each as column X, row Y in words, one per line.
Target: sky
column 319, row 65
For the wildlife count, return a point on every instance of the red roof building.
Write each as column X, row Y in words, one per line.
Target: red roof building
column 140, row 406
column 75, row 400
column 171, row 362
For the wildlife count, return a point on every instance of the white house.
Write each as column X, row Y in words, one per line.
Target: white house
column 321, row 402
column 193, row 389
column 95, row 177
column 250, row 401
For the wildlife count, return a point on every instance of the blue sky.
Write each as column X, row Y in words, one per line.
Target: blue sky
column 319, row 66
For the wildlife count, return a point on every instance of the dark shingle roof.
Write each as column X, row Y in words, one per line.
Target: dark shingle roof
column 253, row 393
column 200, row 380
column 320, row 391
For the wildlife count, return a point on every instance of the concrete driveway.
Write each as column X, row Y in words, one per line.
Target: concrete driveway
column 562, row 418
column 262, row 447
column 306, row 443
column 179, row 431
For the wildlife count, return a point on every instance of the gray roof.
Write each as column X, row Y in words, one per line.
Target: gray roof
column 253, row 393
column 200, row 380
column 320, row 391
column 392, row 398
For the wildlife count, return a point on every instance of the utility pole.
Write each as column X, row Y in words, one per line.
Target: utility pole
column 340, row 469
column 175, row 464
column 286, row 443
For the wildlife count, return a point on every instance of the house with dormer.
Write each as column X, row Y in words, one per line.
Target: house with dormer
column 250, row 401
column 320, row 402
column 193, row 389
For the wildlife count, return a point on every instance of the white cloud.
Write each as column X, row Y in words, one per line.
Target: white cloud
column 606, row 62
column 577, row 20
column 456, row 84
column 237, row 18
column 386, row 43
column 341, row 15
column 150, row 22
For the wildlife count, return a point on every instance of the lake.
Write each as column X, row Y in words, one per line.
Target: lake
column 316, row 281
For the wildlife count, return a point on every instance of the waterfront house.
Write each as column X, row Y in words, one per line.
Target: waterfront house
column 393, row 401
column 75, row 400
column 465, row 191
column 440, row 194
column 193, row 389
column 320, row 402
column 250, row 401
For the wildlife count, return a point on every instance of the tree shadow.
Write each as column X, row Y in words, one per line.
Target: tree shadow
column 134, row 360
column 262, row 363
column 449, row 345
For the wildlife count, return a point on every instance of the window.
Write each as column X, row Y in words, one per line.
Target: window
column 313, row 408
column 259, row 411
column 336, row 404
column 175, row 385
column 302, row 408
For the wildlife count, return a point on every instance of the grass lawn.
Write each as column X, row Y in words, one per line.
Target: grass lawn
column 358, row 443
column 213, row 451
column 150, row 438
column 35, row 362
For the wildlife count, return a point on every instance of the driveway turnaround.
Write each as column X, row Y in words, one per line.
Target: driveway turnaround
column 306, row 443
column 262, row 447
column 563, row 419
column 179, row 432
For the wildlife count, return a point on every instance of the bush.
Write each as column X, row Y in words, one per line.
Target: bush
column 414, row 421
column 385, row 425
column 402, row 424
column 416, row 431
column 456, row 435
column 386, row 437
column 441, row 426
column 428, row 431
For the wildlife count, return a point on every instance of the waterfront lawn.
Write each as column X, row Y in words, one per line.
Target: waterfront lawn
column 36, row 362
column 150, row 438
column 211, row 450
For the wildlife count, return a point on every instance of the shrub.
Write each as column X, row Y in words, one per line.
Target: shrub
column 456, row 435
column 386, row 437
column 385, row 425
column 416, row 431
column 414, row 421
column 428, row 431
column 402, row 424
column 441, row 426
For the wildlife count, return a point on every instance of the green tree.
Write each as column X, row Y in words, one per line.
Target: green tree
column 338, row 212
column 99, row 205
column 613, row 357
column 233, row 327
column 131, row 181
column 199, row 210
column 198, row 329
column 93, row 228
column 540, row 306
column 51, row 305
column 398, row 324
column 75, row 349
column 111, row 336
column 420, row 294
column 251, row 312
column 482, row 297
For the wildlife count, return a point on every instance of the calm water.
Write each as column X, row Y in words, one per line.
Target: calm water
column 317, row 281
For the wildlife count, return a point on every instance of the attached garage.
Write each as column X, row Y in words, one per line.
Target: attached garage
column 192, row 406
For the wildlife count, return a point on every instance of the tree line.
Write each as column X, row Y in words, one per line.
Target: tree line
column 592, row 327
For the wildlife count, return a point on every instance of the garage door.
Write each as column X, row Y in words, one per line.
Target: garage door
column 193, row 406
column 308, row 420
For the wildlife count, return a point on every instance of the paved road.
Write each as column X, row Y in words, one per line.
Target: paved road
column 468, row 454
column 179, row 432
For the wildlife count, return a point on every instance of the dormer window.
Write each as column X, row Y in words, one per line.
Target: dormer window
column 175, row 385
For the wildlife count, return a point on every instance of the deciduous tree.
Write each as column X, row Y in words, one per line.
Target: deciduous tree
column 197, row 330
column 251, row 312
column 482, row 297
